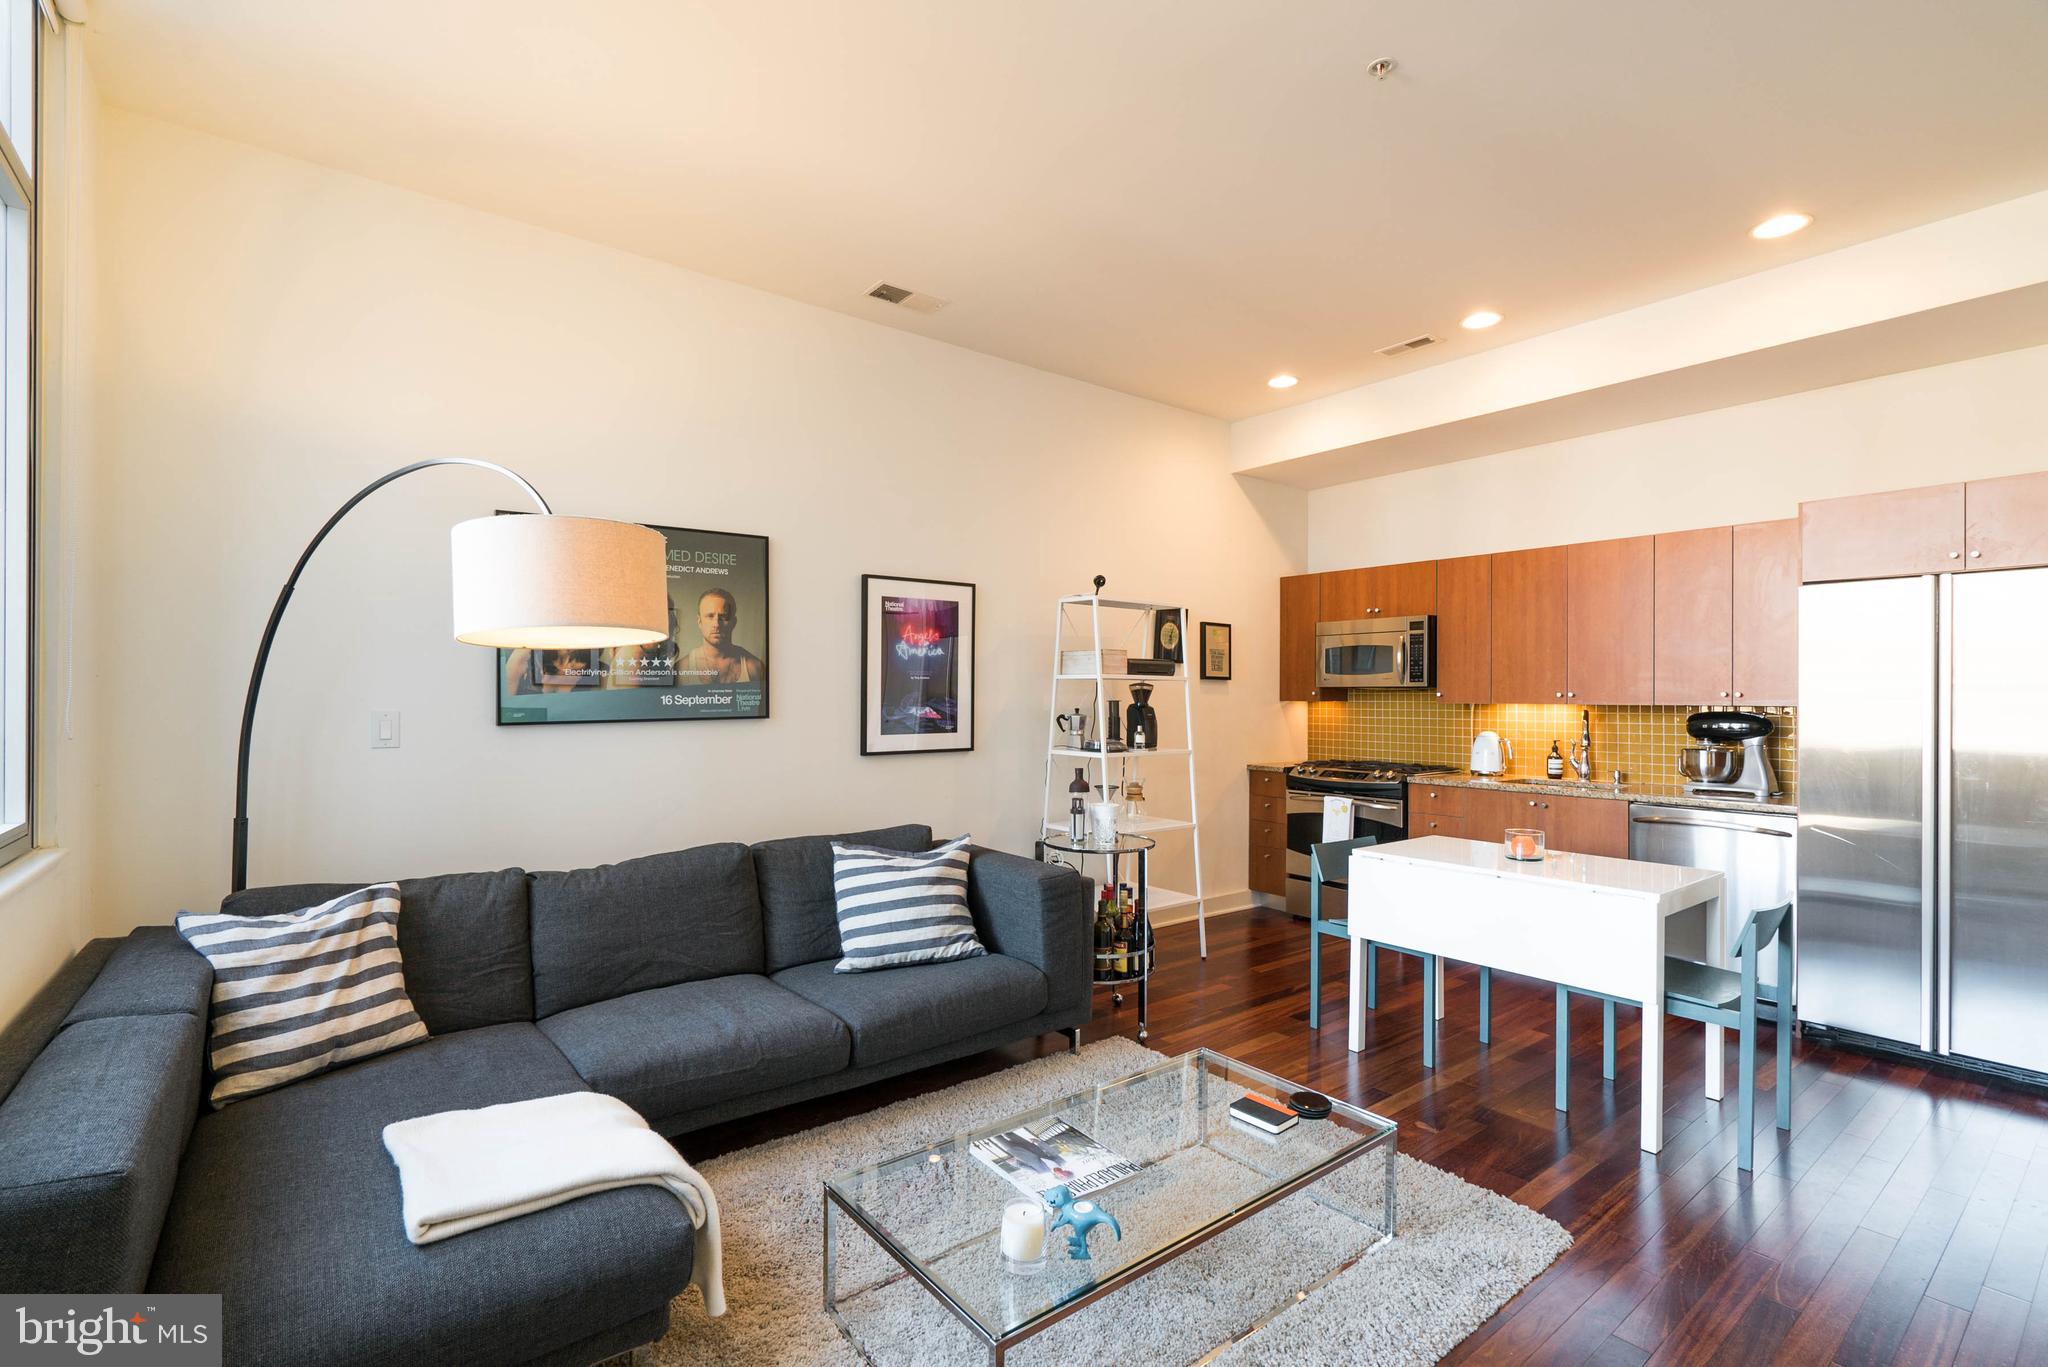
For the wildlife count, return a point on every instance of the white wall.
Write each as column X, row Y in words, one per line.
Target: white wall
column 275, row 334
column 1969, row 420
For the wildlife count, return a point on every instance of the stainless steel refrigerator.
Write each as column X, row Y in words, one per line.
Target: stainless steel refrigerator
column 1923, row 814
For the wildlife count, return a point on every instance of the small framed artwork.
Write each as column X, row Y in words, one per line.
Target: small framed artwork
column 1215, row 650
column 1166, row 641
column 917, row 665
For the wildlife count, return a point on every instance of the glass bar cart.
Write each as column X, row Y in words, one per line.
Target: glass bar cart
column 1115, row 969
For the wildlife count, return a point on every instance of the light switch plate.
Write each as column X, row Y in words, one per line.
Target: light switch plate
column 383, row 730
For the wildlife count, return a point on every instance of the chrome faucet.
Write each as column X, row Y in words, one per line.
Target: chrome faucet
column 1582, row 748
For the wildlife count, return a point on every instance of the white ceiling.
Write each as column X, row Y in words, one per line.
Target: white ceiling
column 1174, row 198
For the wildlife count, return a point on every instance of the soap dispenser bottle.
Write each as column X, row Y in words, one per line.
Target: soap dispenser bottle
column 1554, row 766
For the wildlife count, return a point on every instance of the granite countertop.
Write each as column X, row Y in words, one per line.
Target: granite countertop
column 1273, row 768
column 1668, row 793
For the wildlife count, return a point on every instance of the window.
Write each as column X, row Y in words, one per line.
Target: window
column 19, row 38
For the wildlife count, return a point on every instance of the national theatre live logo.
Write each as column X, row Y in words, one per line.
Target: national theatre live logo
column 162, row 1329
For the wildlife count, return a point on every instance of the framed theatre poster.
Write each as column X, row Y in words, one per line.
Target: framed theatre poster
column 713, row 663
column 917, row 665
column 1215, row 650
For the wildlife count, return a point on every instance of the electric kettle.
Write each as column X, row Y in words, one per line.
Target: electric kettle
column 1490, row 753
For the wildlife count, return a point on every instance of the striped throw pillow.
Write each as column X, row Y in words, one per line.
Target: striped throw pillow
column 297, row 994
column 896, row 908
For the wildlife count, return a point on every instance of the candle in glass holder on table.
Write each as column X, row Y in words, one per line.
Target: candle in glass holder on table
column 1023, row 1237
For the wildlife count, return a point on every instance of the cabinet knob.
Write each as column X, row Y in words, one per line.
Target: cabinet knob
column 1738, row 692
column 1724, row 692
column 1571, row 695
column 1975, row 554
column 1955, row 555
column 1557, row 695
column 1439, row 692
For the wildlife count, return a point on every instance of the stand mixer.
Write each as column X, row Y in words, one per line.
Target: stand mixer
column 1715, row 768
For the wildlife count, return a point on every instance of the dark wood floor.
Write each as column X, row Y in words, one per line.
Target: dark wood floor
column 1904, row 1219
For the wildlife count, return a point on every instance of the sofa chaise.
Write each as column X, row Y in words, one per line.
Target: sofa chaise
column 697, row 986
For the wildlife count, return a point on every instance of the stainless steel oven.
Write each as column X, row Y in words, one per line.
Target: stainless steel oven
column 1396, row 652
column 1384, row 818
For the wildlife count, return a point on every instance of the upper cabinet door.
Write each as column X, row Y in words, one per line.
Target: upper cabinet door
column 1298, row 609
column 2007, row 523
column 1380, row 591
column 1464, row 629
column 1882, row 536
column 1766, row 613
column 1346, row 595
column 1405, row 590
column 1613, row 621
column 1529, row 590
column 1695, row 595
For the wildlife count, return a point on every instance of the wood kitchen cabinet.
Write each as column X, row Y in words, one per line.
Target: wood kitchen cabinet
column 1585, row 825
column 1575, row 825
column 1464, row 629
column 1529, row 623
column 1267, row 845
column 1764, row 617
column 1379, row 591
column 1695, row 592
column 2005, row 523
column 1882, row 536
column 1299, row 604
column 1611, row 612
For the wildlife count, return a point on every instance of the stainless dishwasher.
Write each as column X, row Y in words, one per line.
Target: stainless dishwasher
column 1755, row 851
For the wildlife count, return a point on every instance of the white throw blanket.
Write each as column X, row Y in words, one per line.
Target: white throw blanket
column 462, row 1170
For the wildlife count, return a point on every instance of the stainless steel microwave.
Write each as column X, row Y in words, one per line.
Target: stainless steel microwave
column 1391, row 652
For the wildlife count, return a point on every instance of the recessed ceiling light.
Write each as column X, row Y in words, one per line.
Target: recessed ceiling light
column 1780, row 225
column 1282, row 382
column 1480, row 318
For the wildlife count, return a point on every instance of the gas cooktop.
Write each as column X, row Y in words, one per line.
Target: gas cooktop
column 1333, row 773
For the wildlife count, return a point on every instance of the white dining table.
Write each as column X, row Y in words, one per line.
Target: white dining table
column 1586, row 921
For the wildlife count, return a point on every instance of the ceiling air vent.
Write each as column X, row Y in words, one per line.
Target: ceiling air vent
column 910, row 299
column 1412, row 344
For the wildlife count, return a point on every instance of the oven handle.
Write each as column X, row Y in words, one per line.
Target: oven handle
column 1359, row 804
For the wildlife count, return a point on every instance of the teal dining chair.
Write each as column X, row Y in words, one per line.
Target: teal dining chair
column 1715, row 996
column 1329, row 865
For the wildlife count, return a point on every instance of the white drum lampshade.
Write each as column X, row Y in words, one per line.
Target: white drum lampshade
column 558, row 583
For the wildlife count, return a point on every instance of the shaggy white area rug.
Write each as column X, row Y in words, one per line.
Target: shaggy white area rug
column 1459, row 1253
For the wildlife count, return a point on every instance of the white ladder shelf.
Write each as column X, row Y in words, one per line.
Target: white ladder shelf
column 1131, row 623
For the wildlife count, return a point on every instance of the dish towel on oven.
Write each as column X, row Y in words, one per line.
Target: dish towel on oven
column 1337, row 819
column 462, row 1170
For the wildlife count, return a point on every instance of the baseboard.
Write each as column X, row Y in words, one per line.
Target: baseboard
column 1223, row 904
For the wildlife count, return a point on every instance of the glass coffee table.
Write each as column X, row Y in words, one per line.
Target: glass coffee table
column 931, row 1219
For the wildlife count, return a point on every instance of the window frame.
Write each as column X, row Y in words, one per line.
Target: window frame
column 20, row 428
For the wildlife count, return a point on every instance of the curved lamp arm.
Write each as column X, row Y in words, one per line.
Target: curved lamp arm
column 284, row 596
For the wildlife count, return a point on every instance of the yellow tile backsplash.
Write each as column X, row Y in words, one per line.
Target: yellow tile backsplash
column 1642, row 742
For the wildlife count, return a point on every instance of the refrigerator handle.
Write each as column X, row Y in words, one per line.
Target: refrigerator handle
column 1942, row 845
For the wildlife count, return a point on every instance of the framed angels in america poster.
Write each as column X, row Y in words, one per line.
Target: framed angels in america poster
column 917, row 665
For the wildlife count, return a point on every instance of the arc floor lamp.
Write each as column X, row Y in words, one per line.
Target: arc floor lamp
column 548, row 582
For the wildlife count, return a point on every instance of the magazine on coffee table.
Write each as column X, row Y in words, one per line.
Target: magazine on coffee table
column 1036, row 1161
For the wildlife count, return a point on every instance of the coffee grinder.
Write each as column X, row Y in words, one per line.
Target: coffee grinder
column 1141, row 722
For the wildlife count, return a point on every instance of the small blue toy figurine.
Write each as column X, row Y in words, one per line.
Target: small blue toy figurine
column 1079, row 1217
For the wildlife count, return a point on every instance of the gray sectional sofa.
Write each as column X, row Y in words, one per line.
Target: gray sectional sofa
column 696, row 986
